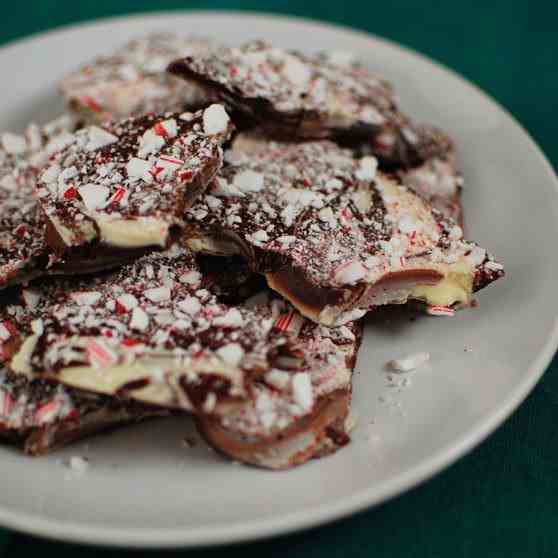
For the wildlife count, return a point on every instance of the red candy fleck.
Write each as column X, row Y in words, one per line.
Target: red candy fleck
column 119, row 195
column 20, row 230
column 120, row 308
column 70, row 193
column 73, row 414
column 129, row 342
column 92, row 103
column 47, row 412
column 186, row 175
column 160, row 130
column 156, row 171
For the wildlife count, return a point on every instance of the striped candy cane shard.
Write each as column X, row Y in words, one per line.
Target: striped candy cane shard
column 47, row 412
column 290, row 322
column 99, row 356
column 6, row 404
column 440, row 311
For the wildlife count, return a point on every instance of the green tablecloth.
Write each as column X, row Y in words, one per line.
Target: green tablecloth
column 502, row 499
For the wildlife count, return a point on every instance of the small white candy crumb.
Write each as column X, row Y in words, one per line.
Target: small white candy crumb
column 86, row 298
column 190, row 305
column 50, row 175
column 158, row 294
column 409, row 363
column 14, row 144
column 99, row 138
column 136, row 168
column 259, row 237
column 249, row 181
column 78, row 464
column 278, row 379
column 232, row 353
column 302, row 391
column 233, row 318
column 94, row 196
column 297, row 72
column 215, row 120
column 348, row 274
column 140, row 320
column 150, row 143
column 367, row 168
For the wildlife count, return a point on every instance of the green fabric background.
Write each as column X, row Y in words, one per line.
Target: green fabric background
column 502, row 499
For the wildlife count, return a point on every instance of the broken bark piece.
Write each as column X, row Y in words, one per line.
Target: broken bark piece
column 296, row 96
column 133, row 80
column 118, row 190
column 332, row 235
column 298, row 413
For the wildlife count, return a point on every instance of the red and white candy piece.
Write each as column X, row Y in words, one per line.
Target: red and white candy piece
column 99, row 355
column 408, row 363
column 47, row 412
column 7, row 330
column 440, row 311
column 291, row 322
column 7, row 404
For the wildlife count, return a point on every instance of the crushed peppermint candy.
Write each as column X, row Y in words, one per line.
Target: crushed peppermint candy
column 411, row 362
column 78, row 464
column 160, row 307
column 329, row 97
column 133, row 80
column 139, row 171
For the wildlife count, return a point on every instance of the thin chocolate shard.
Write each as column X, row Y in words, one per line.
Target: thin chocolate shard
column 294, row 413
column 133, row 80
column 154, row 332
column 123, row 188
column 331, row 234
column 297, row 96
column 23, row 251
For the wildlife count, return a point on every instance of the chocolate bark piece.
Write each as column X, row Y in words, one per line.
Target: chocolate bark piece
column 23, row 252
column 332, row 235
column 297, row 96
column 296, row 413
column 133, row 80
column 154, row 332
column 116, row 190
column 40, row 416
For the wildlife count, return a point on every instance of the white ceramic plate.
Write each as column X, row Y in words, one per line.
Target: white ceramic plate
column 145, row 489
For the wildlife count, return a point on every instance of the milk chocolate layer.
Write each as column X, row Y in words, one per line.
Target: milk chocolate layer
column 296, row 414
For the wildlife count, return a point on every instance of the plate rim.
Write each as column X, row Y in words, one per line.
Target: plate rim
column 297, row 521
